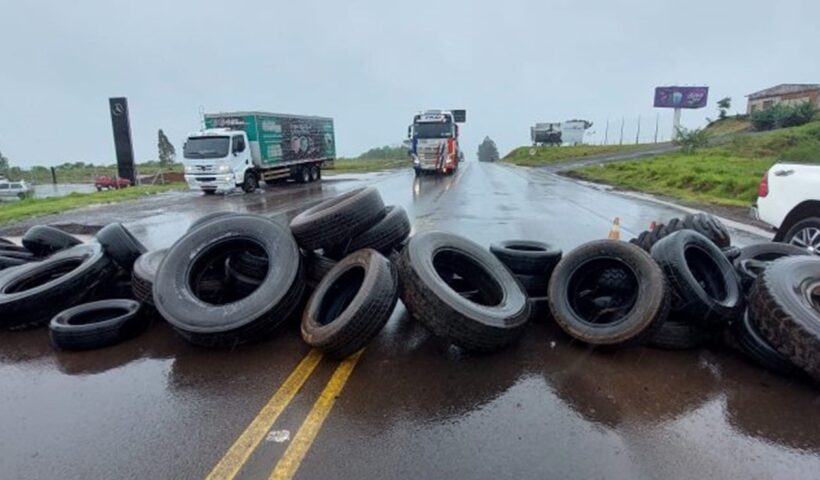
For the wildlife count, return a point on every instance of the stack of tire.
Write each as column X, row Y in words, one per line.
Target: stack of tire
column 82, row 291
column 532, row 263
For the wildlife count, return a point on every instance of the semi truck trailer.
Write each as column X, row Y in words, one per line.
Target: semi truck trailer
column 240, row 149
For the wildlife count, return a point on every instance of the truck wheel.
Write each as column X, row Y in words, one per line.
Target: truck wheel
column 318, row 171
column 805, row 234
column 314, row 173
column 418, row 172
column 251, row 183
column 304, row 174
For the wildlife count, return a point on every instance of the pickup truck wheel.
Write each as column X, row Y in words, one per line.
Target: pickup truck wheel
column 251, row 183
column 805, row 234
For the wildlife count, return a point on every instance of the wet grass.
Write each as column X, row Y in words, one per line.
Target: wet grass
column 546, row 155
column 727, row 174
column 353, row 165
column 35, row 207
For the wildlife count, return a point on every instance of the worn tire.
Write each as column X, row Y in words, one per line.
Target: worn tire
column 785, row 308
column 731, row 252
column 5, row 241
column 338, row 219
column 253, row 264
column 534, row 285
column 527, row 257
column 21, row 254
column 30, row 295
column 703, row 283
column 317, row 266
column 769, row 251
column 97, row 324
column 703, row 223
column 144, row 273
column 8, row 262
column 387, row 233
column 351, row 304
column 207, row 218
column 43, row 240
column 494, row 323
column 121, row 245
column 756, row 347
column 643, row 311
column 246, row 319
column 675, row 334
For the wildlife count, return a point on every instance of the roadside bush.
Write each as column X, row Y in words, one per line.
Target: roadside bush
column 691, row 140
column 781, row 116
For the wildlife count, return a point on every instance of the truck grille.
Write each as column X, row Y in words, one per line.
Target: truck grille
column 430, row 156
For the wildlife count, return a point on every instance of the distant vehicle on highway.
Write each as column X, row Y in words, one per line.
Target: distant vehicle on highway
column 9, row 189
column 789, row 200
column 433, row 141
column 108, row 183
column 240, row 149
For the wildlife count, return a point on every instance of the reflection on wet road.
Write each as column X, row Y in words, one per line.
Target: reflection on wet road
column 412, row 408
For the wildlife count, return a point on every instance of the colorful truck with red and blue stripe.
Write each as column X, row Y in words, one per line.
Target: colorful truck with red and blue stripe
column 433, row 140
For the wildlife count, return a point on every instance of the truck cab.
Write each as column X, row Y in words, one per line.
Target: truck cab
column 433, row 141
column 219, row 159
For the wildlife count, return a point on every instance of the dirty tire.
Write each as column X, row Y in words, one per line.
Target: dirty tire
column 677, row 334
column 246, row 319
column 526, row 257
column 5, row 241
column 8, row 262
column 338, row 219
column 241, row 283
column 21, row 254
column 387, row 233
column 534, row 285
column 768, row 251
column 642, row 312
column 703, row 283
column 207, row 218
column 144, row 273
column 758, row 349
column 30, row 295
column 705, row 224
column 785, row 309
column 121, row 245
column 492, row 319
column 351, row 304
column 43, row 240
column 251, row 263
column 97, row 324
column 731, row 253
column 317, row 266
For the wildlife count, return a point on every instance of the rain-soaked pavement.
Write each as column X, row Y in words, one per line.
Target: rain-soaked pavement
column 156, row 407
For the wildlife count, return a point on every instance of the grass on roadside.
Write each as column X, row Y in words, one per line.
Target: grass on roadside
column 34, row 207
column 350, row 165
column 726, row 174
column 545, row 155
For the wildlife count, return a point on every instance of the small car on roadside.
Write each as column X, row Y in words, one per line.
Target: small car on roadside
column 21, row 189
column 108, row 183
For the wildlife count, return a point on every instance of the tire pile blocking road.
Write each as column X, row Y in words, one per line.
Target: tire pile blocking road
column 342, row 265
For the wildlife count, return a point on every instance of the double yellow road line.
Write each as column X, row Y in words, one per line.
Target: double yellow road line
column 236, row 456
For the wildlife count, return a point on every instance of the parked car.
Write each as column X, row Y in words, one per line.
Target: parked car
column 789, row 200
column 106, row 182
column 19, row 189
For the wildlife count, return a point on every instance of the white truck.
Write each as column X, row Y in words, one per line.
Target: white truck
column 433, row 139
column 788, row 199
column 240, row 149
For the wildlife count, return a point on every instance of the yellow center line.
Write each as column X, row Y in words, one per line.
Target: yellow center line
column 243, row 447
column 289, row 463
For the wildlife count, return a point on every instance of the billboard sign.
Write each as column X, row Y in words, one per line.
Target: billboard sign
column 681, row 97
column 122, row 138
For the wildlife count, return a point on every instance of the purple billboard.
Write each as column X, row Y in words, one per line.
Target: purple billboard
column 681, row 97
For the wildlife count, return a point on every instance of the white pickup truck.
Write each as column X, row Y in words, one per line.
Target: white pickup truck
column 788, row 199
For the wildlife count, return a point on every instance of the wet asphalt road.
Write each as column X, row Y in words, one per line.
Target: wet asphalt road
column 156, row 407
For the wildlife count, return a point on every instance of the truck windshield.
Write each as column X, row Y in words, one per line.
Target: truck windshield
column 433, row 130
column 206, row 147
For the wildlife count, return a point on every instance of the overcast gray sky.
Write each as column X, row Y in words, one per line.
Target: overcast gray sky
column 371, row 64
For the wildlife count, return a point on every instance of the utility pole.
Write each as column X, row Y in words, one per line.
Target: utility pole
column 638, row 134
column 657, row 120
column 606, row 132
column 621, row 141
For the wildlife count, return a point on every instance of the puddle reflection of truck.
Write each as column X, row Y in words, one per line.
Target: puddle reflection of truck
column 240, row 149
column 433, row 141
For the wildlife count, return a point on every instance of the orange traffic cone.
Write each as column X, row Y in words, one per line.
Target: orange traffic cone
column 615, row 233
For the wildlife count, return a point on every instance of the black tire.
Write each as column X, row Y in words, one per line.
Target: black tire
column 805, row 234
column 314, row 173
column 731, row 253
column 250, row 263
column 43, row 240
column 241, row 284
column 121, row 245
column 207, row 218
column 705, row 224
column 384, row 236
column 8, row 262
column 144, row 274
column 250, row 183
column 30, row 295
column 785, row 309
column 748, row 269
column 753, row 259
column 591, row 312
column 241, row 320
column 676, row 334
column 527, row 257
column 5, row 241
column 97, row 324
column 351, row 304
column 17, row 253
column 338, row 219
column 703, row 283
column 317, row 266
column 758, row 349
column 492, row 319
column 534, row 285
column 301, row 174
column 319, row 172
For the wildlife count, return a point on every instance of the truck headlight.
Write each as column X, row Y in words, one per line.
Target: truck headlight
column 223, row 168
column 189, row 169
